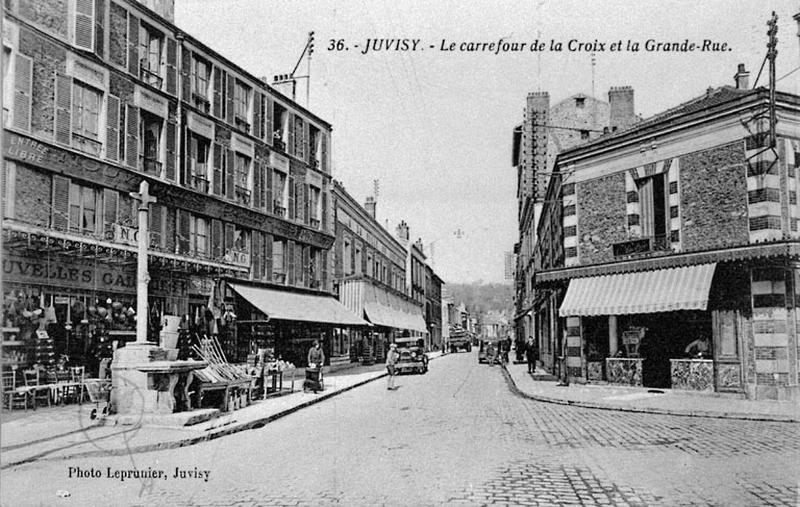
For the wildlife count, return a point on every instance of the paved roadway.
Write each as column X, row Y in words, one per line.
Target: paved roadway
column 459, row 436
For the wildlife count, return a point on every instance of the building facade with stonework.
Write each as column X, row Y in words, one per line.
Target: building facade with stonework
column 668, row 254
column 545, row 132
column 370, row 278
column 102, row 95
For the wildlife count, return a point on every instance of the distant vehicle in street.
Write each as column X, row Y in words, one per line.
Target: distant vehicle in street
column 412, row 356
column 489, row 351
column 460, row 338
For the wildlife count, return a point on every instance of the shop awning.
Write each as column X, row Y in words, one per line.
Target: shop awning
column 283, row 305
column 383, row 315
column 661, row 290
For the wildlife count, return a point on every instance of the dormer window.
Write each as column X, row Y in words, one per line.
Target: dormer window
column 580, row 102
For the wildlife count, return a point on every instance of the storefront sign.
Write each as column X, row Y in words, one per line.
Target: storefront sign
column 126, row 235
column 150, row 102
column 279, row 162
column 200, row 125
column 237, row 258
column 242, row 145
column 67, row 273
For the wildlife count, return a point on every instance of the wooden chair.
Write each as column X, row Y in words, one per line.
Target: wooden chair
column 13, row 395
column 74, row 388
column 36, row 389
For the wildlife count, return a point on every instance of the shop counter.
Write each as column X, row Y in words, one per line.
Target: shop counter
column 692, row 374
column 624, row 370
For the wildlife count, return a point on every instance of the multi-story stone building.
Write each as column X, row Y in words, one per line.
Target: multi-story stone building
column 102, row 95
column 370, row 278
column 668, row 253
column 433, row 307
column 546, row 131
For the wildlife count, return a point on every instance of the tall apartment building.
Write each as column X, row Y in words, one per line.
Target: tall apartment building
column 102, row 95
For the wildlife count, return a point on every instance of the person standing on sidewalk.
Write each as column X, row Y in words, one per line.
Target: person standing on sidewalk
column 391, row 359
column 530, row 354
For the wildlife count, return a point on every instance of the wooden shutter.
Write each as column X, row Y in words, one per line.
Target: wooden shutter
column 172, row 132
column 8, row 184
column 83, row 28
column 268, row 204
column 258, row 182
column 324, row 217
column 268, row 120
column 299, row 275
column 323, row 155
column 290, row 136
column 184, row 231
column 268, row 256
column 112, row 128
column 23, row 83
column 229, row 99
column 229, row 233
column 307, row 264
column 186, row 74
column 219, row 167
column 172, row 62
column 219, row 82
column 99, row 21
column 63, row 112
column 230, row 171
column 216, row 239
column 257, row 114
column 110, row 210
column 132, row 136
column 306, row 204
column 156, row 226
column 288, row 262
column 60, row 217
column 257, row 255
column 306, row 138
column 171, row 226
column 133, row 44
column 324, row 255
column 291, row 210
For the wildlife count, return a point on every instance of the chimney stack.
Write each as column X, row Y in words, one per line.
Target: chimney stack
column 402, row 231
column 369, row 205
column 620, row 102
column 742, row 78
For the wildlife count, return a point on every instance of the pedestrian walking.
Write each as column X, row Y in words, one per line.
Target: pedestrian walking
column 391, row 360
column 530, row 354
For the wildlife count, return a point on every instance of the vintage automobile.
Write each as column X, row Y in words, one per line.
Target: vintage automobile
column 489, row 351
column 412, row 356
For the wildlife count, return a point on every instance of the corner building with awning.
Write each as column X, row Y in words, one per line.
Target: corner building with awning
column 668, row 254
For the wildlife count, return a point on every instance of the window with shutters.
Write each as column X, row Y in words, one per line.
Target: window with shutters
column 313, row 146
column 315, row 206
column 242, row 98
column 279, row 193
column 84, row 203
column 82, row 24
column 280, row 127
column 151, row 48
column 86, row 105
column 150, row 127
column 201, row 83
column 278, row 260
column 22, row 91
column 347, row 257
column 198, row 236
column 299, row 141
column 243, row 180
column 654, row 210
column 7, row 89
column 199, row 149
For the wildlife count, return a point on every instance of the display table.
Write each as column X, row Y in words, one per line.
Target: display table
column 692, row 374
column 274, row 387
column 624, row 370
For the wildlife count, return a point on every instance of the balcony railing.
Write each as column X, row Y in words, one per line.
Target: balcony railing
column 86, row 144
column 242, row 195
column 150, row 165
column 148, row 76
column 278, row 209
column 658, row 243
column 199, row 183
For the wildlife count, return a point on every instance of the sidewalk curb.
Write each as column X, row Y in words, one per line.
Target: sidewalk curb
column 229, row 430
column 647, row 410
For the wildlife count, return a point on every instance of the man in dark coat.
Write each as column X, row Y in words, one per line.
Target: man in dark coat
column 531, row 353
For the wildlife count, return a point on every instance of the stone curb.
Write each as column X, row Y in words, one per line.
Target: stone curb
column 160, row 446
column 647, row 410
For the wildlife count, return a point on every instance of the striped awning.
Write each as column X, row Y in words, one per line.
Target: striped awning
column 661, row 290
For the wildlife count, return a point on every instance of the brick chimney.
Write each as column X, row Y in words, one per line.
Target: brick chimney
column 369, row 205
column 620, row 102
column 742, row 78
column 402, row 231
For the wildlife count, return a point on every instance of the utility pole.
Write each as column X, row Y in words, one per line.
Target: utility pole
column 772, row 53
column 308, row 50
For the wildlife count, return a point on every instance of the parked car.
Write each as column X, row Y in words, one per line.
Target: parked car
column 489, row 351
column 412, row 357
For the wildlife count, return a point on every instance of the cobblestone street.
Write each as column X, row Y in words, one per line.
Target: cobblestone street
column 457, row 435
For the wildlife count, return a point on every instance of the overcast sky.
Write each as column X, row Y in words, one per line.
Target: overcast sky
column 435, row 127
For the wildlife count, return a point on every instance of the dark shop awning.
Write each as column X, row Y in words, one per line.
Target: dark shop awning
column 284, row 305
column 661, row 290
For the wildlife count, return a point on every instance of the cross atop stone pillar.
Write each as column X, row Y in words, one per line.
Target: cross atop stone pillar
column 142, row 276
